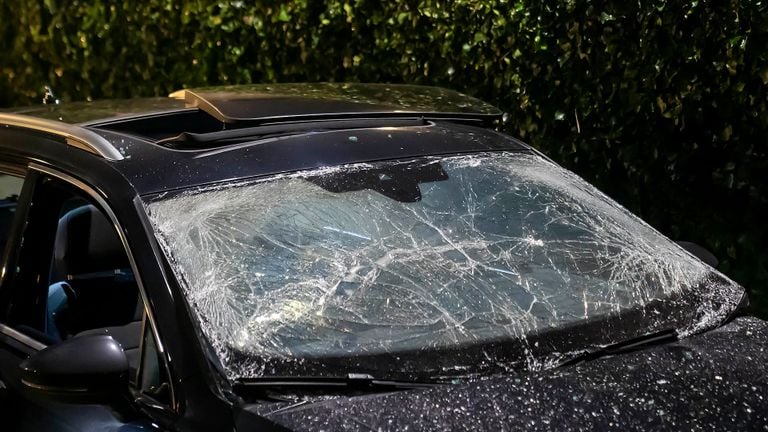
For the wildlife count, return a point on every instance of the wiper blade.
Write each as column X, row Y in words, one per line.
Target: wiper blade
column 625, row 346
column 352, row 383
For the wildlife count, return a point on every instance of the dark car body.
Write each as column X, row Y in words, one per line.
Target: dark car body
column 116, row 158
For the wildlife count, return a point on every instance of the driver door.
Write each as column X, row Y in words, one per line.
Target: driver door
column 66, row 274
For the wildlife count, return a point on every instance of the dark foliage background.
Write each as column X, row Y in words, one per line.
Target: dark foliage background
column 660, row 104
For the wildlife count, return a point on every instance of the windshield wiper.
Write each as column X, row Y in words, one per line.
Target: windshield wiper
column 352, row 383
column 625, row 346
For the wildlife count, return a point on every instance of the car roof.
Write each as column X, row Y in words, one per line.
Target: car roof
column 201, row 136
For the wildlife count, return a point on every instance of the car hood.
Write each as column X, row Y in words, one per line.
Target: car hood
column 715, row 380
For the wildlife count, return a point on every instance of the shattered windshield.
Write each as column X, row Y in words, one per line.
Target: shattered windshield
column 396, row 256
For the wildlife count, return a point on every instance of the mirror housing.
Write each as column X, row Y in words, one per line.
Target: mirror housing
column 86, row 369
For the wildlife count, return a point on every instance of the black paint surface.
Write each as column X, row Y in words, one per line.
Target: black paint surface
column 712, row 381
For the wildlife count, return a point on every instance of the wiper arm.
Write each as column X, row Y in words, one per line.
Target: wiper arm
column 352, row 383
column 629, row 345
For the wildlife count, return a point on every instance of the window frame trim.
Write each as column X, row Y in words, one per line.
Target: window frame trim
column 20, row 337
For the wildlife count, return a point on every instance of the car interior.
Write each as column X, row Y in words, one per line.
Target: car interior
column 92, row 289
column 73, row 278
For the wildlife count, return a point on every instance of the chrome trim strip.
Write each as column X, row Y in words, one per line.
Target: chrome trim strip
column 75, row 136
column 97, row 196
column 54, row 389
column 21, row 337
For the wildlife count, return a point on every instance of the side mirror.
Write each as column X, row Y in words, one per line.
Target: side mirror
column 699, row 252
column 86, row 369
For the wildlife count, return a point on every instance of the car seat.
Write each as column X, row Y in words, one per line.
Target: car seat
column 93, row 290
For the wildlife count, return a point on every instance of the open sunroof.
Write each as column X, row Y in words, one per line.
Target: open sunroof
column 269, row 102
column 223, row 114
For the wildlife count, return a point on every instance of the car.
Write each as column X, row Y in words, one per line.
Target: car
column 344, row 257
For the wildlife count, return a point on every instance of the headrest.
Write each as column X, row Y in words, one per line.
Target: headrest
column 86, row 242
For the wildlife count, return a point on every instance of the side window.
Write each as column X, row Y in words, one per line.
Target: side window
column 73, row 276
column 10, row 189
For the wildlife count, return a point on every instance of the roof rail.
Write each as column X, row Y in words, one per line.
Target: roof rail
column 75, row 136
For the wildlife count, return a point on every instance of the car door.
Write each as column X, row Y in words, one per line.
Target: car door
column 66, row 274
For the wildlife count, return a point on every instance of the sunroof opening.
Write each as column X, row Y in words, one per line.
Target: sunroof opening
column 222, row 116
column 191, row 140
column 161, row 126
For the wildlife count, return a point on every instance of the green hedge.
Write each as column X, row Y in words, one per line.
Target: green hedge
column 661, row 104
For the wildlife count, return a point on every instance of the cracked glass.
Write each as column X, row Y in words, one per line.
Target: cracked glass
column 427, row 253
